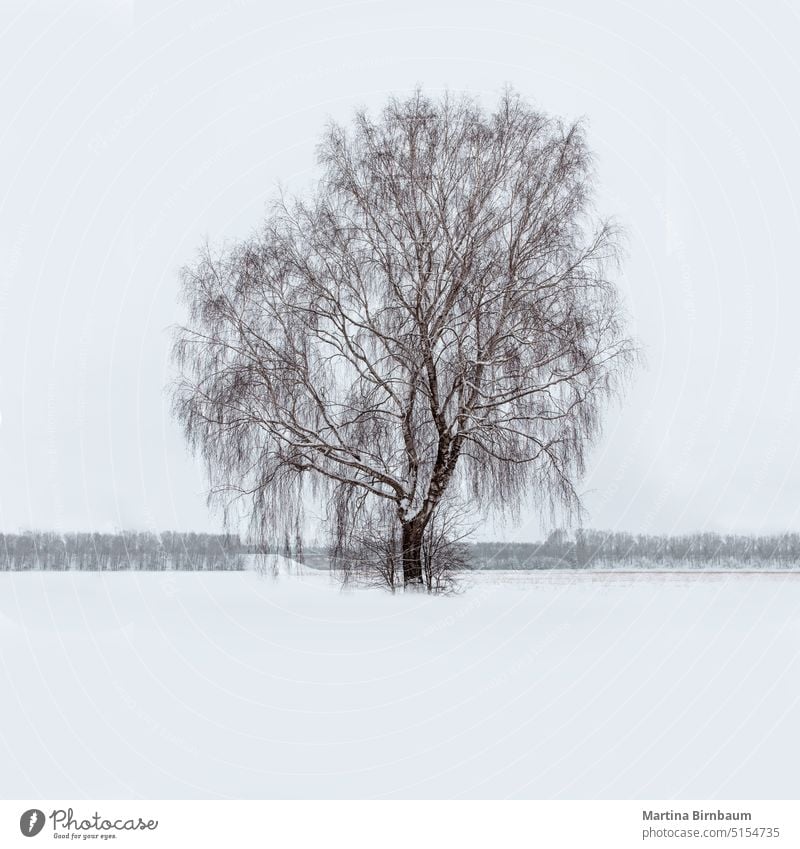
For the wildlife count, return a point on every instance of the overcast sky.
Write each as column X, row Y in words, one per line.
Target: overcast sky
column 132, row 131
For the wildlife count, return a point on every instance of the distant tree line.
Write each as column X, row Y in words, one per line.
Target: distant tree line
column 581, row 549
column 585, row 549
column 126, row 550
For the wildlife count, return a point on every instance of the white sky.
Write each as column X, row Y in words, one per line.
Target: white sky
column 130, row 132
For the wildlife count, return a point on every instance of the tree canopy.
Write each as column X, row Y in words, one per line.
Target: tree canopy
column 435, row 327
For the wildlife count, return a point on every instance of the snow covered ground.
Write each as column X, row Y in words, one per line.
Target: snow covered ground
column 173, row 685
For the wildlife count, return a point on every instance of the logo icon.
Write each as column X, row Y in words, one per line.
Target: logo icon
column 31, row 822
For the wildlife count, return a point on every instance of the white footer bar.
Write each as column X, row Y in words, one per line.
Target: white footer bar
column 406, row 824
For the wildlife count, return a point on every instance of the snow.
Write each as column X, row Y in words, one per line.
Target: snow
column 533, row 685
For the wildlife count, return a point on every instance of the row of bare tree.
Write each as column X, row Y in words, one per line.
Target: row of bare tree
column 376, row 561
column 134, row 550
column 601, row 549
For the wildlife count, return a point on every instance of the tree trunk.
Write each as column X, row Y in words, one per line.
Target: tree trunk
column 411, row 541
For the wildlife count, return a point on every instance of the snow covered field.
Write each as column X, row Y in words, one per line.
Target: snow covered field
column 173, row 685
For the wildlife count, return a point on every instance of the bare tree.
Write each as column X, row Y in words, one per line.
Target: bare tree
column 436, row 321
